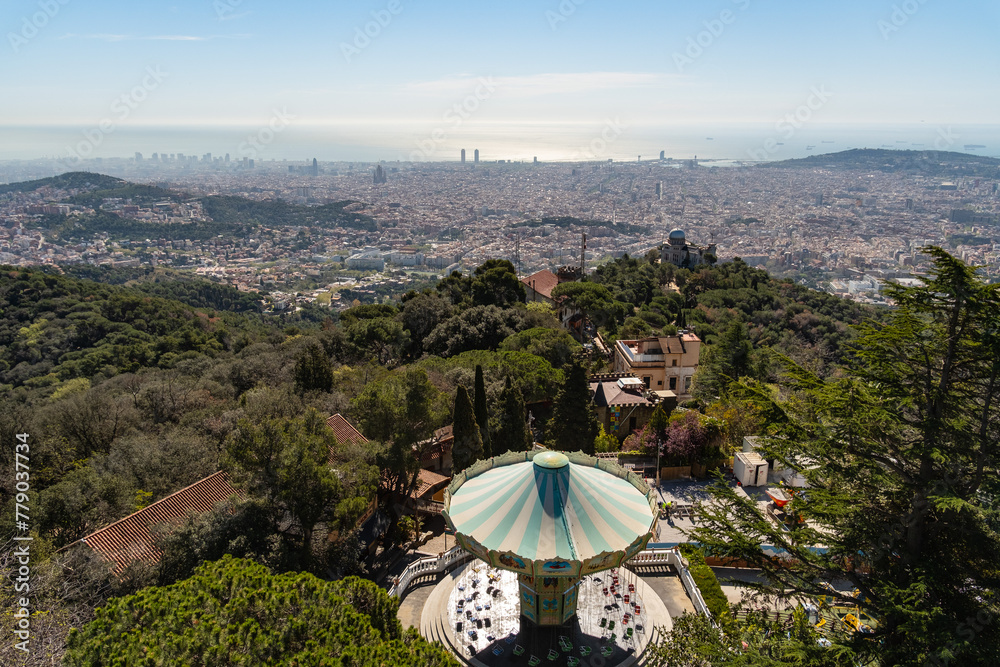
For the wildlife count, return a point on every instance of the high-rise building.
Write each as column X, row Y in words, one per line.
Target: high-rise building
column 379, row 176
column 475, row 156
column 659, row 189
column 463, row 156
column 315, row 167
column 663, row 155
column 138, row 157
column 536, row 159
column 227, row 158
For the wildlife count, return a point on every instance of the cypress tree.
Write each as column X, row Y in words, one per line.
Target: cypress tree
column 468, row 443
column 482, row 413
column 514, row 435
column 573, row 426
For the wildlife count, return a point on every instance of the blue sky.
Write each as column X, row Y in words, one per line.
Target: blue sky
column 233, row 62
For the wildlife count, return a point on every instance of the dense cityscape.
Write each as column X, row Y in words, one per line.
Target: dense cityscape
column 837, row 226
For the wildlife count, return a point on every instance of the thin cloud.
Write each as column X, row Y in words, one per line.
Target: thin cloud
column 108, row 37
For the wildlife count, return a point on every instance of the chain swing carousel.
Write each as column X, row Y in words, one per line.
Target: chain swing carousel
column 550, row 531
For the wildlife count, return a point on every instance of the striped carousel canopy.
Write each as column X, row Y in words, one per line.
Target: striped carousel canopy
column 549, row 508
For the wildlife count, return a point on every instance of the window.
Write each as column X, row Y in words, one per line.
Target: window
column 673, row 362
column 687, row 385
column 659, row 383
column 645, row 380
column 673, row 383
column 631, row 423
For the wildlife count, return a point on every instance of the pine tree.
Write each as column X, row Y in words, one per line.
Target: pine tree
column 468, row 443
column 901, row 453
column 513, row 435
column 313, row 370
column 482, row 412
column 573, row 426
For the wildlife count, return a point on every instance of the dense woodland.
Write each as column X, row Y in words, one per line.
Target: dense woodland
column 133, row 390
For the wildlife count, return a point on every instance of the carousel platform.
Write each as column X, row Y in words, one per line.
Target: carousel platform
column 474, row 611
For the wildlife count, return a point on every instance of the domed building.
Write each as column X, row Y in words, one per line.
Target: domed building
column 680, row 253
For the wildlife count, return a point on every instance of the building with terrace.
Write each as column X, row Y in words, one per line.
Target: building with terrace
column 661, row 362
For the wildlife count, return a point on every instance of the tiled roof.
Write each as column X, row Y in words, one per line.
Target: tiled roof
column 344, row 431
column 427, row 480
column 609, row 393
column 542, row 282
column 132, row 538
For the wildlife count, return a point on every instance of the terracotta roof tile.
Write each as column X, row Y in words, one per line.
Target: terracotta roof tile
column 344, row 431
column 132, row 538
column 427, row 480
column 542, row 282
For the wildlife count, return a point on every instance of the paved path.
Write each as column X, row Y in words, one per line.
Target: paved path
column 412, row 606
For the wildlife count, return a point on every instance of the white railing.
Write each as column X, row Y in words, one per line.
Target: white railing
column 456, row 556
column 673, row 558
column 430, row 565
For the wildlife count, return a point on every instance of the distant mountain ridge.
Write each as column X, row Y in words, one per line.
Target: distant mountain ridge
column 884, row 159
column 229, row 215
column 68, row 181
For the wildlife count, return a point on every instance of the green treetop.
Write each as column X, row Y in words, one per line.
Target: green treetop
column 468, row 443
column 513, row 434
column 901, row 454
column 482, row 412
column 573, row 425
column 236, row 613
column 313, row 371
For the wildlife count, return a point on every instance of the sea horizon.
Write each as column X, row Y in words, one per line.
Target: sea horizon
column 612, row 138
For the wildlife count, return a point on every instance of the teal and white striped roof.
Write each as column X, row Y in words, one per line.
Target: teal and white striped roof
column 551, row 508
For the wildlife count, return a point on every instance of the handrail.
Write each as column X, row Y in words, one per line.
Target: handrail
column 673, row 558
column 430, row 565
column 456, row 556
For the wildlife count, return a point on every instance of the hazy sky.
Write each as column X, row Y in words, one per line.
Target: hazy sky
column 223, row 62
